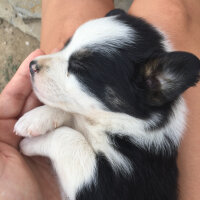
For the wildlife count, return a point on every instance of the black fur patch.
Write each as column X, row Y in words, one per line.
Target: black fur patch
column 169, row 75
column 154, row 176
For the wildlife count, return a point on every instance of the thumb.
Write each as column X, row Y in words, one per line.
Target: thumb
column 18, row 89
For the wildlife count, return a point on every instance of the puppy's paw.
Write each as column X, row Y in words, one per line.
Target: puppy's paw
column 32, row 146
column 39, row 121
column 26, row 147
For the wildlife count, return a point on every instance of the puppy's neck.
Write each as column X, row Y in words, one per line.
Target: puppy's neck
column 138, row 129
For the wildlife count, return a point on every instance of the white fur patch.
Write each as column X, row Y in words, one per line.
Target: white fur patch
column 166, row 42
column 106, row 31
column 97, row 137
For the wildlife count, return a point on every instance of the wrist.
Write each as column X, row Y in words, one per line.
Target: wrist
column 61, row 18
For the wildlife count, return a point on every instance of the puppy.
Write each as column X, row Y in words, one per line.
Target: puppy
column 113, row 114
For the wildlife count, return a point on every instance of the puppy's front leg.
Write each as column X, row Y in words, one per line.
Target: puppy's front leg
column 71, row 155
column 41, row 120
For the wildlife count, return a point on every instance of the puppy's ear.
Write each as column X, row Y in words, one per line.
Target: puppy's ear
column 115, row 12
column 169, row 75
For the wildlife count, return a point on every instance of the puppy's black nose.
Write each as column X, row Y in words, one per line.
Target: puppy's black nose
column 34, row 67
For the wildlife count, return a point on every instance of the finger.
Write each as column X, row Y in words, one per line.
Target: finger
column 14, row 95
column 7, row 151
column 30, row 103
column 7, row 136
column 55, row 50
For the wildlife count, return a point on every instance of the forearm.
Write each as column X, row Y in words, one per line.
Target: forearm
column 61, row 18
column 189, row 153
column 180, row 21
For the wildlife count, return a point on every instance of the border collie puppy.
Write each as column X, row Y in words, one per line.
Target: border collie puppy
column 113, row 114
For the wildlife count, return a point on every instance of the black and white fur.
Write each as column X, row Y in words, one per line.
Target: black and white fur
column 113, row 115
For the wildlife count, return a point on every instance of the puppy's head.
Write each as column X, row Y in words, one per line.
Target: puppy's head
column 118, row 63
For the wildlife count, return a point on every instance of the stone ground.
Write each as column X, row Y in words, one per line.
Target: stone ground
column 14, row 47
column 19, row 33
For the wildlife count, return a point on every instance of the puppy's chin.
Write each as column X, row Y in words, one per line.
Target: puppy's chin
column 55, row 99
column 43, row 94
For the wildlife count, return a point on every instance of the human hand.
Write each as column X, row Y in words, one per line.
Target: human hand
column 21, row 177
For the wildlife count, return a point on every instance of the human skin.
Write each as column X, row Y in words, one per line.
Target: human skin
column 57, row 28
column 31, row 178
